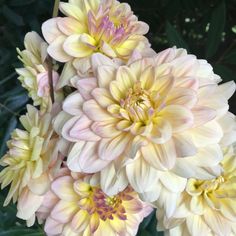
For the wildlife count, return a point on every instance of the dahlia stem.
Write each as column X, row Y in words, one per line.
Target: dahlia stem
column 56, row 8
column 50, row 60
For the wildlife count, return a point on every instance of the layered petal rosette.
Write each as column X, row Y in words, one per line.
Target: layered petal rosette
column 34, row 75
column 77, row 206
column 164, row 110
column 105, row 26
column 206, row 207
column 29, row 163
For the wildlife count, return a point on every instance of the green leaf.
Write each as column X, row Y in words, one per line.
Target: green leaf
column 217, row 25
column 174, row 38
column 225, row 73
column 21, row 232
column 12, row 123
column 144, row 233
column 231, row 57
column 17, row 3
column 12, row 16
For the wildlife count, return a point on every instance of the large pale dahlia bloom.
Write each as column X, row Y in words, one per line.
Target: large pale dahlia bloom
column 90, row 26
column 207, row 207
column 166, row 110
column 34, row 75
column 29, row 162
column 77, row 206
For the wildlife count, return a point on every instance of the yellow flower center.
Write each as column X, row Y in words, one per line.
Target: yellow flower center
column 106, row 207
column 205, row 186
column 138, row 104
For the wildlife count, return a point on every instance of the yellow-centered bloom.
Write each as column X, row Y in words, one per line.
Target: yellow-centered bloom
column 105, row 26
column 151, row 115
column 27, row 164
column 207, row 207
column 78, row 207
column 34, row 75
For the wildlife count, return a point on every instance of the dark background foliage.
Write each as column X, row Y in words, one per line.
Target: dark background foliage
column 206, row 28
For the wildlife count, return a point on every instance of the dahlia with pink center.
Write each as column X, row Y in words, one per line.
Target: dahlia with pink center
column 105, row 26
column 77, row 206
column 165, row 112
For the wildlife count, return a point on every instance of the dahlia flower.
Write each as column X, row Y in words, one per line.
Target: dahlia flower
column 34, row 75
column 206, row 207
column 76, row 206
column 164, row 110
column 29, row 162
column 105, row 26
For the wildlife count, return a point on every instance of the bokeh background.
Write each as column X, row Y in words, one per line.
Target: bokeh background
column 206, row 28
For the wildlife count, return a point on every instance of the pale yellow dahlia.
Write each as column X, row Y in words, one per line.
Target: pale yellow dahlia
column 28, row 164
column 34, row 75
column 77, row 206
column 206, row 207
column 90, row 26
column 167, row 110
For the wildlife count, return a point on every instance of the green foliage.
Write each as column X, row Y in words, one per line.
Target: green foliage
column 206, row 28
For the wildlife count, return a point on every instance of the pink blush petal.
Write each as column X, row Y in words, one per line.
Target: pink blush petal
column 63, row 188
column 86, row 86
column 53, row 227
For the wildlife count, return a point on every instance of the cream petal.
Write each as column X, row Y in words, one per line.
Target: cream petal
column 50, row 30
column 226, row 89
column 98, row 60
column 113, row 181
column 125, row 79
column 197, row 226
column 161, row 157
column 28, row 204
column 95, row 112
column 172, row 182
column 168, row 201
column 141, row 175
column 161, row 131
column 105, row 74
column 184, row 145
column 147, row 78
column 105, row 129
column 116, row 91
column 197, row 205
column 39, row 185
column 203, row 115
column 70, row 26
column 53, row 227
column 83, row 158
column 184, row 66
column 56, row 51
column 73, row 104
column 218, row 224
column 207, row 134
column 110, row 149
column 80, row 221
column 182, row 96
column 118, row 226
column 199, row 166
column 179, row 117
column 86, row 86
column 67, row 73
column 107, row 49
column 72, row 10
column 79, row 45
column 103, row 97
column 81, row 130
column 64, row 211
column 63, row 188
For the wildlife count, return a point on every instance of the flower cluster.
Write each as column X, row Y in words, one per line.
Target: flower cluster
column 120, row 131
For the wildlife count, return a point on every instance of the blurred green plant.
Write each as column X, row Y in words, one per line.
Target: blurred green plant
column 206, row 28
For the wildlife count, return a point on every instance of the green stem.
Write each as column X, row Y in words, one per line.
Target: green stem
column 56, row 8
